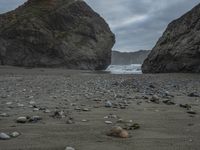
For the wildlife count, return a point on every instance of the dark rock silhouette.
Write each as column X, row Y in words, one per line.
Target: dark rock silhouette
column 55, row 33
column 178, row 50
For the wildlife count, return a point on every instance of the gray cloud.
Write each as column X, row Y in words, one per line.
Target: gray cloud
column 137, row 23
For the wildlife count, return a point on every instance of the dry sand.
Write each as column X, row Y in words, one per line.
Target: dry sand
column 163, row 127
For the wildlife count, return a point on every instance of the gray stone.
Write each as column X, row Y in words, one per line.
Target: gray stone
column 4, row 136
column 22, row 120
column 69, row 148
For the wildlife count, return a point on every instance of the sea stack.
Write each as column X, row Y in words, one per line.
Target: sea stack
column 178, row 50
column 55, row 33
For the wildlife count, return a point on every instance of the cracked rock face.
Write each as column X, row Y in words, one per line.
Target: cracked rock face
column 55, row 33
column 178, row 50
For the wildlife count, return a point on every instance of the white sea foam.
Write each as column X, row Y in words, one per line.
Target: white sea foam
column 125, row 69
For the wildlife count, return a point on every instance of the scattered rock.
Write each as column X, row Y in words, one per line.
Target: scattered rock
column 35, row 119
column 4, row 136
column 69, row 148
column 194, row 94
column 192, row 112
column 169, row 102
column 58, row 114
column 117, row 131
column 155, row 99
column 22, row 120
column 187, row 106
column 14, row 134
column 129, row 126
column 4, row 115
column 85, row 109
column 70, row 121
column 47, row 111
column 108, row 122
column 108, row 104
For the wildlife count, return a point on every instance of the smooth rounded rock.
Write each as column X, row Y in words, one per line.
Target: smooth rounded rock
column 21, row 119
column 4, row 136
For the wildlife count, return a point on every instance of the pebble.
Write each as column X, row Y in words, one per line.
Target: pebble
column 47, row 111
column 36, row 109
column 4, row 136
column 108, row 122
column 155, row 99
column 119, row 132
column 15, row 134
column 35, row 119
column 4, row 115
column 194, row 94
column 8, row 103
column 84, row 120
column 69, row 148
column 108, row 104
column 85, row 109
column 192, row 112
column 21, row 119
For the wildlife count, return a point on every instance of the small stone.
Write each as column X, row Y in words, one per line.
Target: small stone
column 192, row 112
column 194, row 94
column 108, row 104
column 58, row 114
column 15, row 134
column 8, row 103
column 84, row 120
column 70, row 121
column 85, row 109
column 21, row 119
column 4, row 115
column 69, row 148
column 168, row 102
column 35, row 119
column 108, row 122
column 4, row 136
column 32, row 102
column 47, row 111
column 155, row 99
column 187, row 106
column 123, row 134
column 117, row 131
column 36, row 109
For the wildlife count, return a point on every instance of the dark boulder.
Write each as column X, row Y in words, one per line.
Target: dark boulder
column 55, row 33
column 178, row 50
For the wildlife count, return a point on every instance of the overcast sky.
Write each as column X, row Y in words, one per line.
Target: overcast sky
column 137, row 24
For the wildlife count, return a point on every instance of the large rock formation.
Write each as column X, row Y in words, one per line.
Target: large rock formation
column 178, row 50
column 55, row 33
column 127, row 58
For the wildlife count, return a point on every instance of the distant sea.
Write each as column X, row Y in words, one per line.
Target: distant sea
column 125, row 69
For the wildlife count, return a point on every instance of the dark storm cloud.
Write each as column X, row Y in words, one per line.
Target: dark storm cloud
column 137, row 23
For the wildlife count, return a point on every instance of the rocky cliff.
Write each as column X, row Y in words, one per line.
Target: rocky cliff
column 127, row 58
column 55, row 33
column 178, row 50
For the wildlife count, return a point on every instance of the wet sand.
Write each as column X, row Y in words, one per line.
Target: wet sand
column 81, row 95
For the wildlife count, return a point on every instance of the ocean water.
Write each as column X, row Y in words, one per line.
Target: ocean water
column 125, row 69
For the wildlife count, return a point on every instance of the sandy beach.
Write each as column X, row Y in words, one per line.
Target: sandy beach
column 71, row 105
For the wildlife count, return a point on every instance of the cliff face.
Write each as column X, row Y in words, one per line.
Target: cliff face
column 127, row 58
column 178, row 50
column 55, row 33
